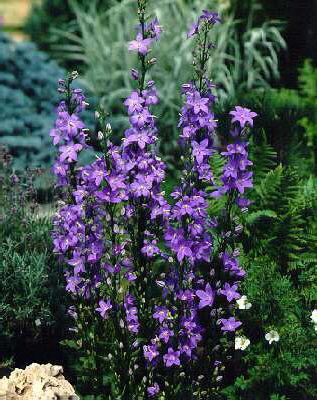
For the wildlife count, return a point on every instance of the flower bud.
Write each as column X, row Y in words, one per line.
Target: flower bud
column 74, row 75
column 134, row 74
column 108, row 127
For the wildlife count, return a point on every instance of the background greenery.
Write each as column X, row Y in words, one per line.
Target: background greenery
column 32, row 300
column 245, row 58
column 252, row 67
column 28, row 99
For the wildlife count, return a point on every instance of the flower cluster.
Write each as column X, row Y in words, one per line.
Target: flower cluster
column 198, row 125
column 236, row 175
column 207, row 17
column 150, row 275
column 68, row 133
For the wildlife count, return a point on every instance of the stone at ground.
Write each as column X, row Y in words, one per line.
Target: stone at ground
column 37, row 382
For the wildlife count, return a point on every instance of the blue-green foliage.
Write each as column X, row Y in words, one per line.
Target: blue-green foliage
column 28, row 99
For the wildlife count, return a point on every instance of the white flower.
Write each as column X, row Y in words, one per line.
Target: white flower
column 313, row 317
column 272, row 336
column 38, row 322
column 243, row 303
column 241, row 343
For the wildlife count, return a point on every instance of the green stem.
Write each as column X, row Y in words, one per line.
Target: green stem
column 203, row 60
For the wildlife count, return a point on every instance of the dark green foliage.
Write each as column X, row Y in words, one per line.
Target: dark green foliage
column 32, row 302
column 279, row 112
column 280, row 255
column 308, row 90
column 289, row 119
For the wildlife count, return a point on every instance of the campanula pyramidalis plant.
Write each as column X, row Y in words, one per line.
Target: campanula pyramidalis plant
column 153, row 278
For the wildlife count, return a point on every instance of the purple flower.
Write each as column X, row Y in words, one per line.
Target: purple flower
column 131, row 314
column 141, row 138
column 78, row 263
column 130, row 276
column 171, row 358
column 69, row 152
column 230, row 324
column 155, row 29
column 194, row 29
column 161, row 313
column 183, row 207
column 243, row 116
column 140, row 45
column 56, row 135
column 200, row 150
column 150, row 249
column 244, row 182
column 230, row 292
column 134, row 103
column 183, row 250
column 199, row 104
column 104, row 307
column 210, row 17
column 150, row 96
column 165, row 334
column 69, row 124
column 186, row 349
column 73, row 284
column 207, row 296
column 141, row 118
column 150, row 352
column 153, row 390
column 186, row 295
column 141, row 187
